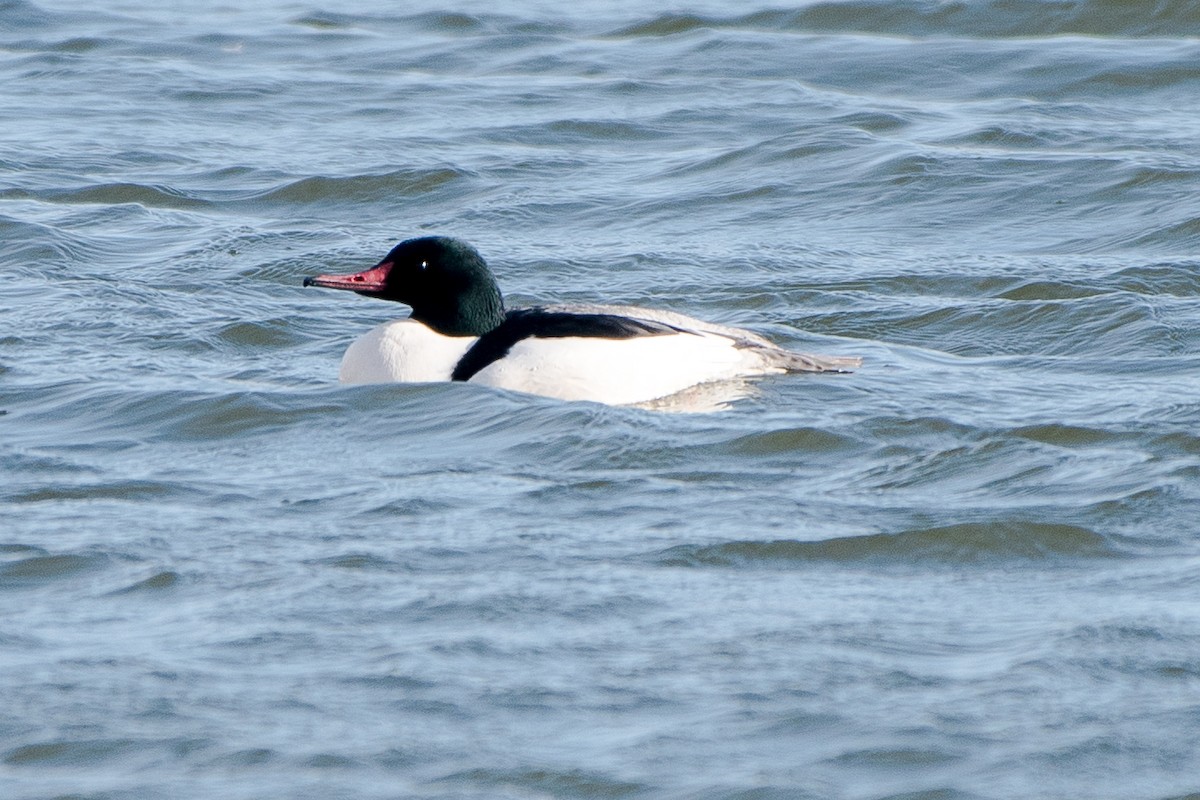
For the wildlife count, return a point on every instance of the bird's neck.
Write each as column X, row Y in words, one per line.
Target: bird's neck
column 473, row 313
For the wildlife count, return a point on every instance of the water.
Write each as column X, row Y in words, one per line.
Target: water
column 967, row 571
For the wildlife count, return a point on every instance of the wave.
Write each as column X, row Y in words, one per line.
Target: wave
column 1031, row 323
column 112, row 490
column 21, row 15
column 226, row 189
column 158, row 582
column 547, row 782
column 74, row 752
column 147, row 195
column 995, row 543
column 27, row 567
column 984, row 19
column 362, row 188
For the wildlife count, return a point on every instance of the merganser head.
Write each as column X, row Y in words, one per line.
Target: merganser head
column 445, row 281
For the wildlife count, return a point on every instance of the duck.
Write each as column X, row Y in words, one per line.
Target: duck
column 460, row 330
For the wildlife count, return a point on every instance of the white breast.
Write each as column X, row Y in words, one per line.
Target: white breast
column 402, row 351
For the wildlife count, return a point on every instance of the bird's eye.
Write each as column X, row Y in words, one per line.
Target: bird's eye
column 424, row 265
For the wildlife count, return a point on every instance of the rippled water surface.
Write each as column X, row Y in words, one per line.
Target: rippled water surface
column 969, row 570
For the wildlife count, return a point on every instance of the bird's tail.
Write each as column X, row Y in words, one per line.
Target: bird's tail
column 806, row 362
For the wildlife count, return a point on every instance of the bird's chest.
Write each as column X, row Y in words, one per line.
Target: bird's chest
column 403, row 351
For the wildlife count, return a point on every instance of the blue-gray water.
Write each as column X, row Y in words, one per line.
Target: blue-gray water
column 969, row 570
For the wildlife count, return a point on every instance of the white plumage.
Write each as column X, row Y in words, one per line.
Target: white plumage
column 614, row 371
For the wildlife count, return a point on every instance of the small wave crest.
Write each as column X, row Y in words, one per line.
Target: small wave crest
column 547, row 782
column 108, row 194
column 1036, row 317
column 985, row 20
column 973, row 543
column 364, row 188
column 309, row 190
column 33, row 567
column 22, row 15
column 443, row 22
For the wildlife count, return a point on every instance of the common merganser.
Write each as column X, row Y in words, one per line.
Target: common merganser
column 459, row 330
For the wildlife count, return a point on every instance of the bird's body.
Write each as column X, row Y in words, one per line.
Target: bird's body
column 460, row 331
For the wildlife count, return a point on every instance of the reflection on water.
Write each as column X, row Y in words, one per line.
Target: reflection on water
column 703, row 398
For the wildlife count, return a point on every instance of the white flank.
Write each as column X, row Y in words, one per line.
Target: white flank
column 619, row 371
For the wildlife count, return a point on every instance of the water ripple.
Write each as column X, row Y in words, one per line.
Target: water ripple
column 47, row 569
column 223, row 564
column 987, row 544
column 986, row 19
column 552, row 782
column 363, row 188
